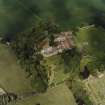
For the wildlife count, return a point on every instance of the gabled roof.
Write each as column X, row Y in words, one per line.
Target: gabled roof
column 63, row 40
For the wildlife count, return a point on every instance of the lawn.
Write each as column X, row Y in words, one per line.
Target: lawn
column 59, row 95
column 96, row 89
column 12, row 77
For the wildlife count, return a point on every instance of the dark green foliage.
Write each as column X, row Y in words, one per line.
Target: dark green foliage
column 51, row 28
column 7, row 98
column 80, row 94
column 27, row 49
column 61, row 11
column 98, row 18
column 71, row 59
column 85, row 73
column 97, row 42
column 93, row 51
column 84, row 100
column 17, row 15
column 51, row 41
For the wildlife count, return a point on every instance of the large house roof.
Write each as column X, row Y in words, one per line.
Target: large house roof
column 63, row 40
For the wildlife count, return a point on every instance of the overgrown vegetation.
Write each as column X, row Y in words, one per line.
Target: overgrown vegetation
column 26, row 46
column 71, row 60
column 17, row 15
column 79, row 92
column 91, row 42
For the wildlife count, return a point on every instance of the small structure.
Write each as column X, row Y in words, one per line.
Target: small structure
column 63, row 41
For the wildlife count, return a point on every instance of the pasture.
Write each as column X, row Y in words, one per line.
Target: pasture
column 12, row 76
column 59, row 95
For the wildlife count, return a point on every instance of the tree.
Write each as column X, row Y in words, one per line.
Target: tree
column 26, row 47
column 98, row 18
column 79, row 92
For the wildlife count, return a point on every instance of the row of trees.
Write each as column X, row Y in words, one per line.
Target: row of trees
column 71, row 60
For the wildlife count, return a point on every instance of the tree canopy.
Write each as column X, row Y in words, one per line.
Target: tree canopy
column 26, row 47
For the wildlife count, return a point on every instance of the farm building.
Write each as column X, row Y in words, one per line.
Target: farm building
column 63, row 40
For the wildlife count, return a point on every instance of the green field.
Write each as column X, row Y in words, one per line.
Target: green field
column 12, row 77
column 59, row 95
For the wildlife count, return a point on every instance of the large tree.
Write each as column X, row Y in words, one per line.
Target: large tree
column 71, row 59
column 26, row 46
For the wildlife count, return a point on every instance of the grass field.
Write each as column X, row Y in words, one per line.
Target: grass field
column 12, row 77
column 59, row 95
column 96, row 89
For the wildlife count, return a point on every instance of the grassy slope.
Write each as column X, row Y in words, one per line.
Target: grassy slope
column 59, row 95
column 12, row 77
column 89, row 37
column 17, row 14
column 96, row 88
column 82, row 41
